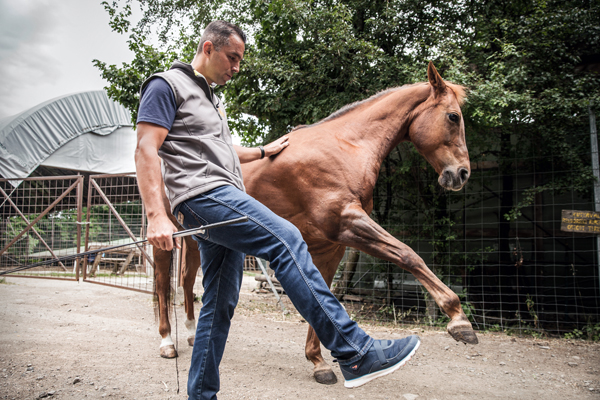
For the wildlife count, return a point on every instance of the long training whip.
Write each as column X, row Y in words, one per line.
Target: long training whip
column 187, row 232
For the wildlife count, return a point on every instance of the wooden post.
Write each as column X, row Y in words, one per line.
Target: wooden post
column 342, row 285
column 87, row 232
column 595, row 167
column 97, row 259
column 126, row 263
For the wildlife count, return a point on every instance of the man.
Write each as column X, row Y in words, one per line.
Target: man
column 181, row 121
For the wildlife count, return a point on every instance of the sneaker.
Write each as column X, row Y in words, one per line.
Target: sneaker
column 384, row 357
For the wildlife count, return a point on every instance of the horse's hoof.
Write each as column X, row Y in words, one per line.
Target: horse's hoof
column 325, row 377
column 462, row 331
column 168, row 351
column 191, row 340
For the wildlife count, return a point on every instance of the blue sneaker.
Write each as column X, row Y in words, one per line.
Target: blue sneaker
column 384, row 357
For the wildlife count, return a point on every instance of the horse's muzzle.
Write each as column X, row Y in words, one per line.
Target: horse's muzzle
column 454, row 179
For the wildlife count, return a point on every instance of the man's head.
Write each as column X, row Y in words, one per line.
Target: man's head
column 219, row 32
column 220, row 51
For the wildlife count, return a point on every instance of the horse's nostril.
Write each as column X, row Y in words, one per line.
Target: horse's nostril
column 464, row 174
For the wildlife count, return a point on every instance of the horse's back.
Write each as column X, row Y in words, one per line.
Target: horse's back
column 309, row 183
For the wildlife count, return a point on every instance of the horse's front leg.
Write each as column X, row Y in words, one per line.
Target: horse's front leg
column 362, row 233
column 327, row 262
column 192, row 263
column 162, row 291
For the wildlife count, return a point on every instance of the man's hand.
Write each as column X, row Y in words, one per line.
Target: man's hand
column 160, row 233
column 249, row 154
column 275, row 147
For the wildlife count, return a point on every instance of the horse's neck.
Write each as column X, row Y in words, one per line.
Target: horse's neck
column 378, row 126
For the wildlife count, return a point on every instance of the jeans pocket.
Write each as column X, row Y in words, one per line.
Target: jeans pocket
column 193, row 220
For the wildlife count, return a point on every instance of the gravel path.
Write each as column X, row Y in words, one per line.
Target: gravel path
column 69, row 340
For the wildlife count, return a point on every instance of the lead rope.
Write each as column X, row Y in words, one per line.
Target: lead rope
column 175, row 315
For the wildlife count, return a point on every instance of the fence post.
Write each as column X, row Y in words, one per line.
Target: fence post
column 78, row 262
column 594, row 139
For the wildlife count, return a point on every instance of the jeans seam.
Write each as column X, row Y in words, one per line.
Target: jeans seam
column 306, row 281
column 212, row 321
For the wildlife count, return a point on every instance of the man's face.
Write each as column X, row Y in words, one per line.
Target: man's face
column 224, row 63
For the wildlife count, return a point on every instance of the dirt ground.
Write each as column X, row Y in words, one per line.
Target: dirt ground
column 69, row 340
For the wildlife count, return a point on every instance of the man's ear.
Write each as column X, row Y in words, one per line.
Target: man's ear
column 207, row 48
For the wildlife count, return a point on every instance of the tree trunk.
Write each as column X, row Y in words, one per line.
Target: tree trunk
column 341, row 286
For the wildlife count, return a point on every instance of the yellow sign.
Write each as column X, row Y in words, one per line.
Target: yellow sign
column 580, row 221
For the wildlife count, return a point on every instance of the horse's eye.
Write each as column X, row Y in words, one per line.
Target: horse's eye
column 453, row 117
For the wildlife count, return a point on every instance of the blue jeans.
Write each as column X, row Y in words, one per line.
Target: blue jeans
column 222, row 251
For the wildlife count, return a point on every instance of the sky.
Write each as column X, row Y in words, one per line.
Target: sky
column 47, row 48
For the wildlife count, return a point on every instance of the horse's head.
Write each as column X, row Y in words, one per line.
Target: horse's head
column 438, row 132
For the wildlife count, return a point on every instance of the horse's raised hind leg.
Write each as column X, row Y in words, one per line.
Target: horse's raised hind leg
column 162, row 291
column 362, row 233
column 192, row 263
column 327, row 264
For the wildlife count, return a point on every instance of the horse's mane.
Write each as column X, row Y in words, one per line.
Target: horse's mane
column 459, row 92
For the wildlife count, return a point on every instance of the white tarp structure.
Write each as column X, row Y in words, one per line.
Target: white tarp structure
column 83, row 132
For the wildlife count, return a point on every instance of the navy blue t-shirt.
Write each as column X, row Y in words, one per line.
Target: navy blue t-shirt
column 157, row 104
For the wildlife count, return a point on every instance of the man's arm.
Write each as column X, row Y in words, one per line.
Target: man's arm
column 248, row 154
column 147, row 164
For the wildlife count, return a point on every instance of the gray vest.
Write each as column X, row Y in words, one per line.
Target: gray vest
column 198, row 153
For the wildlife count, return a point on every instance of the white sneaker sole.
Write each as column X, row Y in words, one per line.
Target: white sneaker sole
column 374, row 375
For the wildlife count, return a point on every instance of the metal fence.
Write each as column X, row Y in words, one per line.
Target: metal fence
column 41, row 221
column 114, row 216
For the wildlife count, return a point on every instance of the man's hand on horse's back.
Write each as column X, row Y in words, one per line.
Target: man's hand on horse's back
column 160, row 233
column 277, row 146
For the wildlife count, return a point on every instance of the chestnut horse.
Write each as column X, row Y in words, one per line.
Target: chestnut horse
column 323, row 183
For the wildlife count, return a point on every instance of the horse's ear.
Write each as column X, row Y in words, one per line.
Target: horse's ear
column 435, row 79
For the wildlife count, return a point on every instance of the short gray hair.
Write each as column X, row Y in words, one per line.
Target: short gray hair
column 218, row 33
